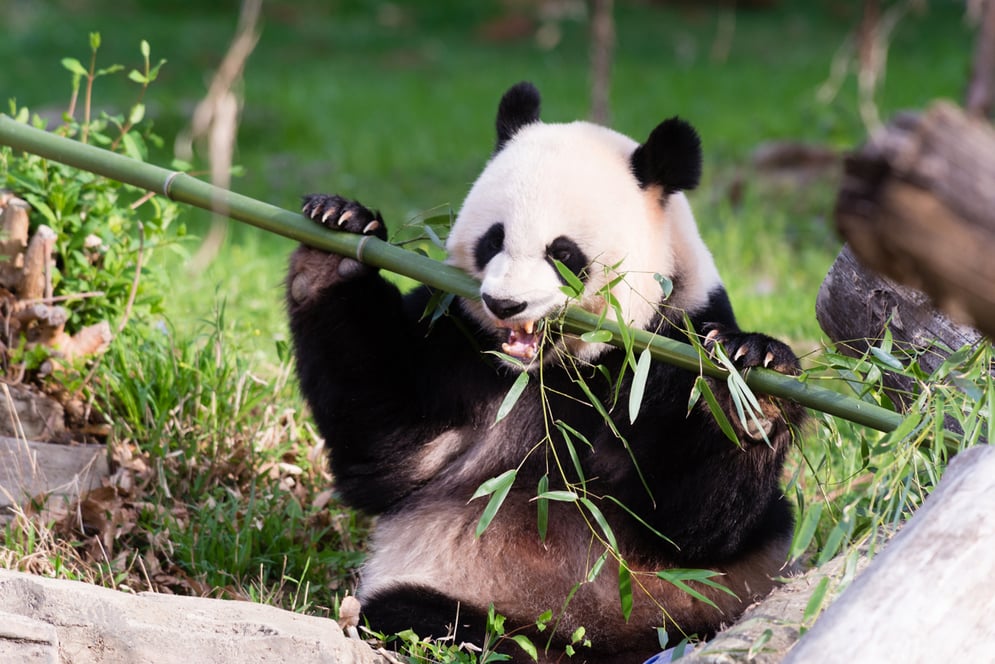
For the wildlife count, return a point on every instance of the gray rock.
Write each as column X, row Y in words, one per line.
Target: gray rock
column 49, row 620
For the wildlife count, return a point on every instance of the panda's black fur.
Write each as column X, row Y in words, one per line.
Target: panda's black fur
column 408, row 407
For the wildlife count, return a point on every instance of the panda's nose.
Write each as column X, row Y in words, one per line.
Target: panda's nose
column 501, row 307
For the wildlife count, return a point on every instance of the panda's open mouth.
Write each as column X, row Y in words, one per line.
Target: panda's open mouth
column 523, row 339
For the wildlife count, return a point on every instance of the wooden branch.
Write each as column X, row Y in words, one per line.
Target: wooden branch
column 917, row 205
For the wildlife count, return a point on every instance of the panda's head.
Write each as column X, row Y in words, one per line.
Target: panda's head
column 606, row 207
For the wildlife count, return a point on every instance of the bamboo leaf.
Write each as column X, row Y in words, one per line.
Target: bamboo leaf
column 806, row 531
column 625, row 589
column 679, row 577
column 814, row 605
column 639, row 384
column 596, row 337
column 498, row 487
column 599, row 519
column 701, row 384
column 598, row 565
column 559, row 496
column 574, row 286
column 494, row 484
column 542, row 507
column 511, row 398
column 886, row 358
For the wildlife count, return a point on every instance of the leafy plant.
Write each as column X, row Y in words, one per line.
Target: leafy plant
column 104, row 230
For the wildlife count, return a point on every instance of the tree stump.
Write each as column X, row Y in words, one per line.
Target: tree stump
column 917, row 205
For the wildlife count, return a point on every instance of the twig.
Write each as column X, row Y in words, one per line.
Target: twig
column 134, row 282
column 979, row 90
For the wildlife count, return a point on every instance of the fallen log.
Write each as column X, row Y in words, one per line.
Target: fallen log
column 917, row 205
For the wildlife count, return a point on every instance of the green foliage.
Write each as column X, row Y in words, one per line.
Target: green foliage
column 104, row 230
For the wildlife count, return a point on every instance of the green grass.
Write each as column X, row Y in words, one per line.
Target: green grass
column 228, row 495
column 400, row 116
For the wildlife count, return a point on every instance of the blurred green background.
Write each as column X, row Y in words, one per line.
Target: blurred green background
column 393, row 103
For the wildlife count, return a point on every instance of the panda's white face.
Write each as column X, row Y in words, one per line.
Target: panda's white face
column 567, row 193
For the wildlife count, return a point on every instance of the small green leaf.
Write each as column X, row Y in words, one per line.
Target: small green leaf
column 702, row 386
column 113, row 69
column 599, row 518
column 513, row 395
column 814, row 606
column 596, row 568
column 639, row 384
column 498, row 487
column 543, row 620
column 578, row 634
column 679, row 578
column 886, row 358
column 74, row 65
column 137, row 77
column 94, row 40
column 494, row 484
column 145, row 48
column 665, row 284
column 559, row 496
column 542, row 507
column 625, row 589
column 596, row 337
column 806, row 531
column 526, row 645
column 574, row 286
column 759, row 643
column 137, row 114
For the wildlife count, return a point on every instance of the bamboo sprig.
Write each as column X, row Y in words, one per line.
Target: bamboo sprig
column 187, row 189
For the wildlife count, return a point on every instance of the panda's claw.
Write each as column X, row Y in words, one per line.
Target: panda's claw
column 343, row 214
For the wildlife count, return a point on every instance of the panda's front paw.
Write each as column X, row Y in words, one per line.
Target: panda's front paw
column 344, row 215
column 751, row 349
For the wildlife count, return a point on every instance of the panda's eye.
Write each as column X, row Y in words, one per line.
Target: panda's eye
column 489, row 245
column 562, row 255
column 566, row 251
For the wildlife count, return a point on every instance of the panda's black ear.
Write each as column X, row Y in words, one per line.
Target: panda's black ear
column 519, row 106
column 670, row 157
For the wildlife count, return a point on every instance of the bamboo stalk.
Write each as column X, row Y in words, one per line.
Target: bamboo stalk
column 186, row 189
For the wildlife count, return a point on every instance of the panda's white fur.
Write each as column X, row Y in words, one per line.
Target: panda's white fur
column 408, row 406
column 574, row 179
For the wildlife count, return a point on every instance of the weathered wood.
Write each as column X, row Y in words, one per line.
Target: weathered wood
column 917, row 204
column 855, row 306
column 29, row 469
column 930, row 595
column 768, row 629
column 13, row 239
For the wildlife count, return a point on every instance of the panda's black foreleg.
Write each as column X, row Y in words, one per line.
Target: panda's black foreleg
column 753, row 349
column 357, row 347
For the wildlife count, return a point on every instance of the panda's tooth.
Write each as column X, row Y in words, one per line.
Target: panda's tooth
column 529, row 326
column 506, row 348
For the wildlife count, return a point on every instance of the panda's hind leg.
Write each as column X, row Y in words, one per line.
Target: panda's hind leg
column 427, row 612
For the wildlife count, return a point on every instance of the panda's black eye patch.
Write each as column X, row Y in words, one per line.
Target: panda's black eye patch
column 566, row 251
column 489, row 245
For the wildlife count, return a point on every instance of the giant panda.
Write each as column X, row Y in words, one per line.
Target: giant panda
column 408, row 405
